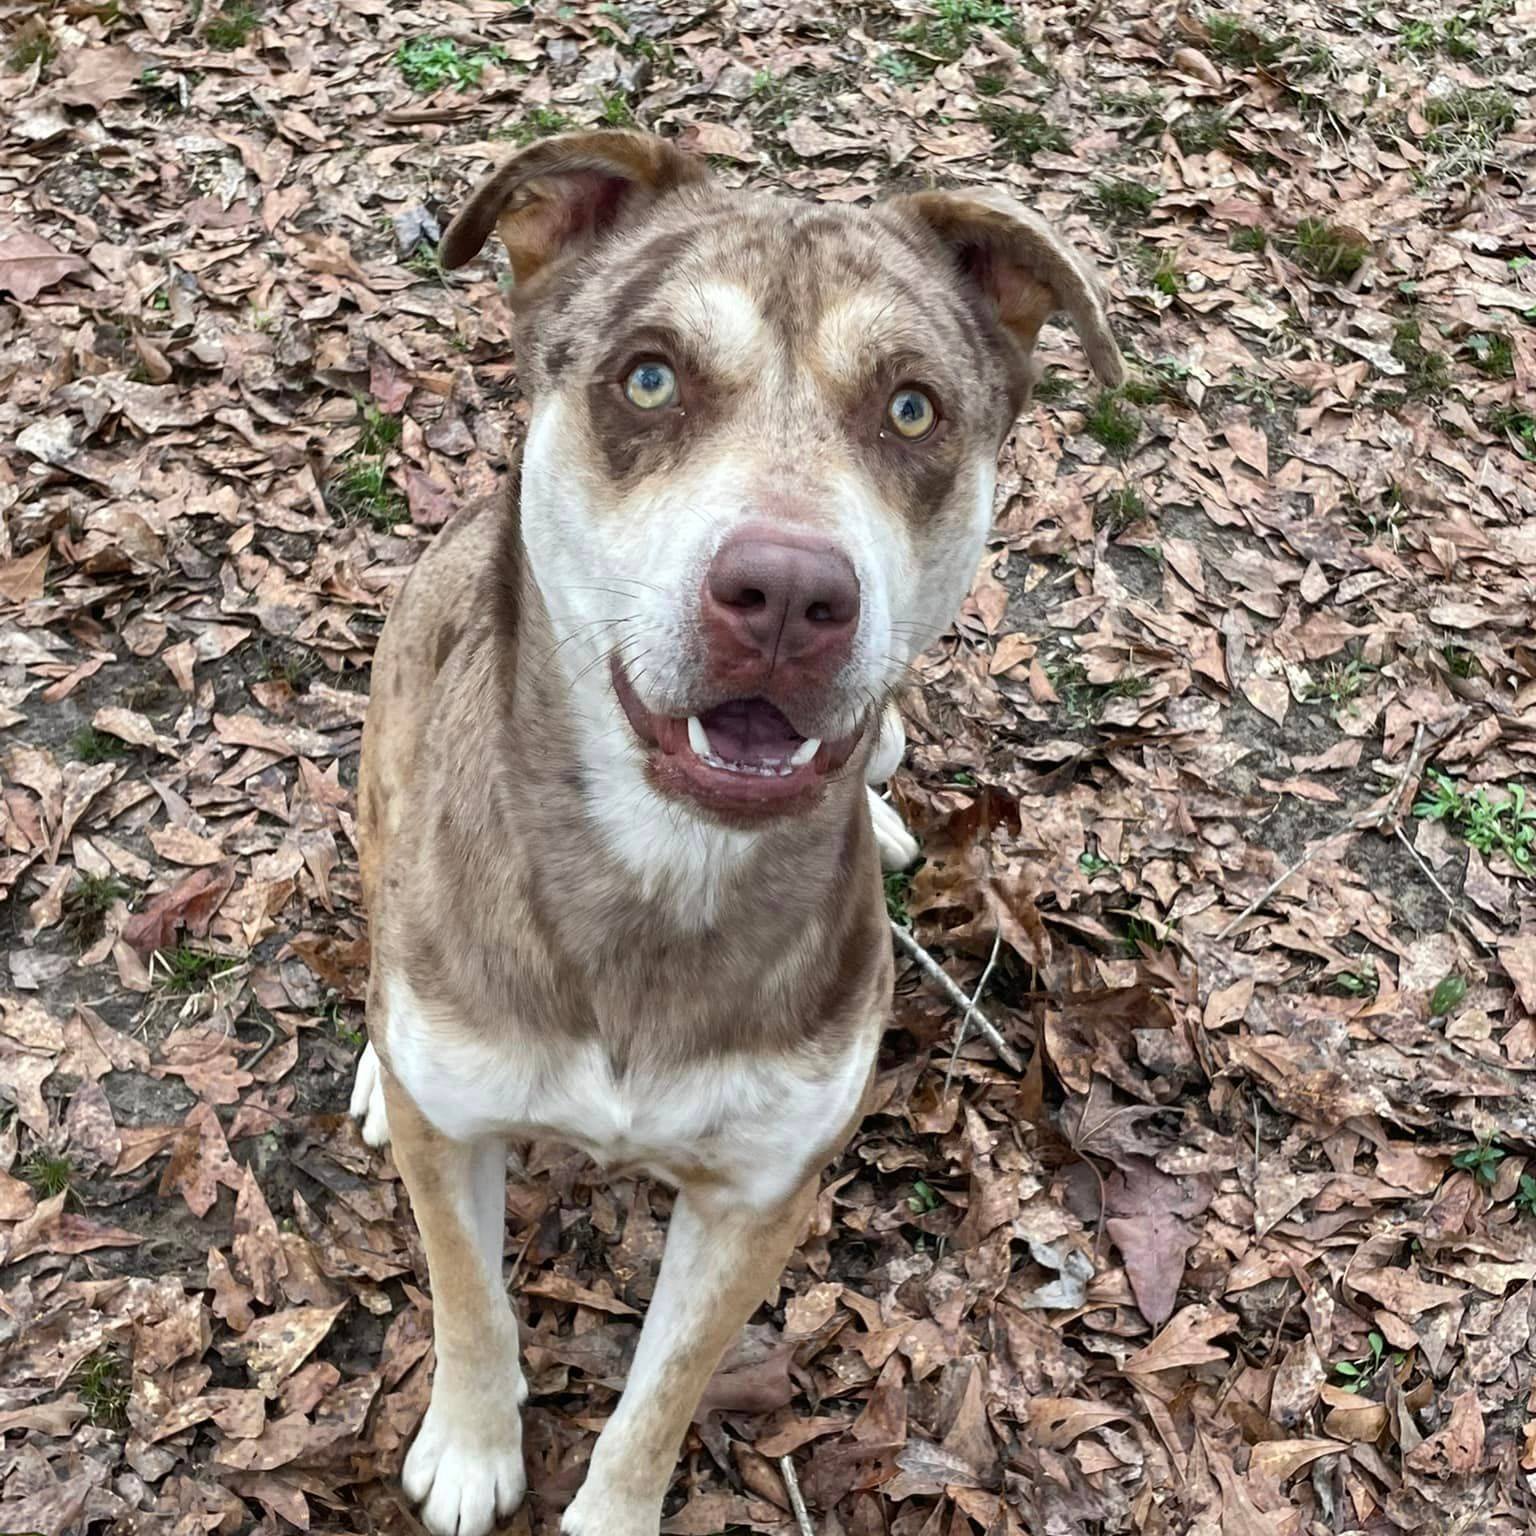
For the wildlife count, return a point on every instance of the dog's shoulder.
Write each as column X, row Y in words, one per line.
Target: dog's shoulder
column 440, row 614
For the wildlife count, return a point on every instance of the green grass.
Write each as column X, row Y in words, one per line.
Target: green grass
column 1518, row 426
column 185, row 971
column 1428, row 373
column 1471, row 106
column 1493, row 354
column 363, row 492
column 103, row 1383
column 1053, row 384
column 49, row 1173
column 617, row 112
column 1235, row 42
column 344, row 1032
column 430, row 63
column 87, row 902
column 1140, row 933
column 1201, row 131
column 1525, row 1194
column 1342, row 682
column 230, row 27
column 287, row 661
column 1021, row 134
column 1465, row 127
column 1125, row 200
column 898, row 883
column 1091, row 864
column 1160, row 268
column 1457, row 37
column 942, row 37
column 1117, row 510
column 88, row 745
column 1327, row 250
column 540, row 123
column 1084, row 701
column 381, row 432
column 1113, row 424
column 1461, row 661
column 1504, row 825
column 1248, row 239
column 39, row 49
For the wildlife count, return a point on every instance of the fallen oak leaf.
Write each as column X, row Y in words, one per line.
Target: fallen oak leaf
column 274, row 1347
column 1186, row 1341
column 190, row 903
column 1282, row 1459
column 52, row 1229
column 28, row 264
column 1056, row 1422
column 1457, row 1447
column 563, row 1288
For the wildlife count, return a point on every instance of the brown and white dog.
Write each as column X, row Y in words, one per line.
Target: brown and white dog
column 622, row 869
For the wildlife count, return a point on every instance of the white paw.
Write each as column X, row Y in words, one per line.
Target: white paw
column 898, row 848
column 601, row 1515
column 368, row 1098
column 464, row 1481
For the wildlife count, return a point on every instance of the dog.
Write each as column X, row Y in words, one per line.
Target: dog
column 620, row 855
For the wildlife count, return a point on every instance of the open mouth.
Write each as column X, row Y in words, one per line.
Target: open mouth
column 743, row 755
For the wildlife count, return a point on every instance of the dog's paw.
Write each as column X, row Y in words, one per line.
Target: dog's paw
column 603, row 1516
column 898, row 848
column 368, row 1098
column 464, row 1481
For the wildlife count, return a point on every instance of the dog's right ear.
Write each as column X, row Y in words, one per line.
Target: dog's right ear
column 561, row 194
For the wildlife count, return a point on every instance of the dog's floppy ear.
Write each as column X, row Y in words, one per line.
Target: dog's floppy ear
column 1023, row 266
column 564, row 192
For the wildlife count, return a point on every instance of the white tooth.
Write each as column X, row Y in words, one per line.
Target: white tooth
column 805, row 752
column 697, row 739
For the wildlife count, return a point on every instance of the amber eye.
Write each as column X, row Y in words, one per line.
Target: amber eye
column 651, row 386
column 912, row 413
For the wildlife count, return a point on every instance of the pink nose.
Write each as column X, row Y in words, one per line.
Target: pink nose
column 775, row 598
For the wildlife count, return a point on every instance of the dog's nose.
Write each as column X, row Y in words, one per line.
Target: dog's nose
column 780, row 597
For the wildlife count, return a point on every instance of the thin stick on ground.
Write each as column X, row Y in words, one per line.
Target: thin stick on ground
column 1386, row 809
column 967, row 1005
column 963, row 1033
column 1450, row 901
column 796, row 1498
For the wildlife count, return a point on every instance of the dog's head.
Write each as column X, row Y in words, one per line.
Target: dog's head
column 763, row 441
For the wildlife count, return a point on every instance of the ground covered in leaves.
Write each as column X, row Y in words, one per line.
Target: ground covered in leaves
column 1224, row 776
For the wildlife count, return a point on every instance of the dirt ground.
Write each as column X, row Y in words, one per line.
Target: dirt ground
column 1226, row 776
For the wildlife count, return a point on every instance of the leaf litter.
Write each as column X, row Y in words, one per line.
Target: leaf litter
column 1227, row 767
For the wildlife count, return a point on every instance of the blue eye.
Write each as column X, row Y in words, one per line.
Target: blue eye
column 651, row 386
column 912, row 413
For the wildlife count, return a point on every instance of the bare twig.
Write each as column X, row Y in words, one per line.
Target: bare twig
column 967, row 1005
column 796, row 1498
column 1451, row 902
column 1273, row 886
column 963, row 1032
column 1385, row 810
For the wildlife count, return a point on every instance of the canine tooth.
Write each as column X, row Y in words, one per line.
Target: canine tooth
column 805, row 752
column 698, row 739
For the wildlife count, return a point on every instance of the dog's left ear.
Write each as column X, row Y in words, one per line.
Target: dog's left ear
column 561, row 194
column 1026, row 270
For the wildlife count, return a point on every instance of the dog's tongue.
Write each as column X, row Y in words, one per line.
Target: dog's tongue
column 750, row 731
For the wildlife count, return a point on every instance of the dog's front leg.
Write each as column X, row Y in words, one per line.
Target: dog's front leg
column 466, row 1465
column 722, row 1259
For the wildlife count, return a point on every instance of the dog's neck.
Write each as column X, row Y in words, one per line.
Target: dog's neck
column 597, row 820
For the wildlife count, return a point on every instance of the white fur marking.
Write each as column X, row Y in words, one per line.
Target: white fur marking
column 752, row 1121
column 368, row 1098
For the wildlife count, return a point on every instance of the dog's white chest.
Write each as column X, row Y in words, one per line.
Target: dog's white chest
column 743, row 1119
